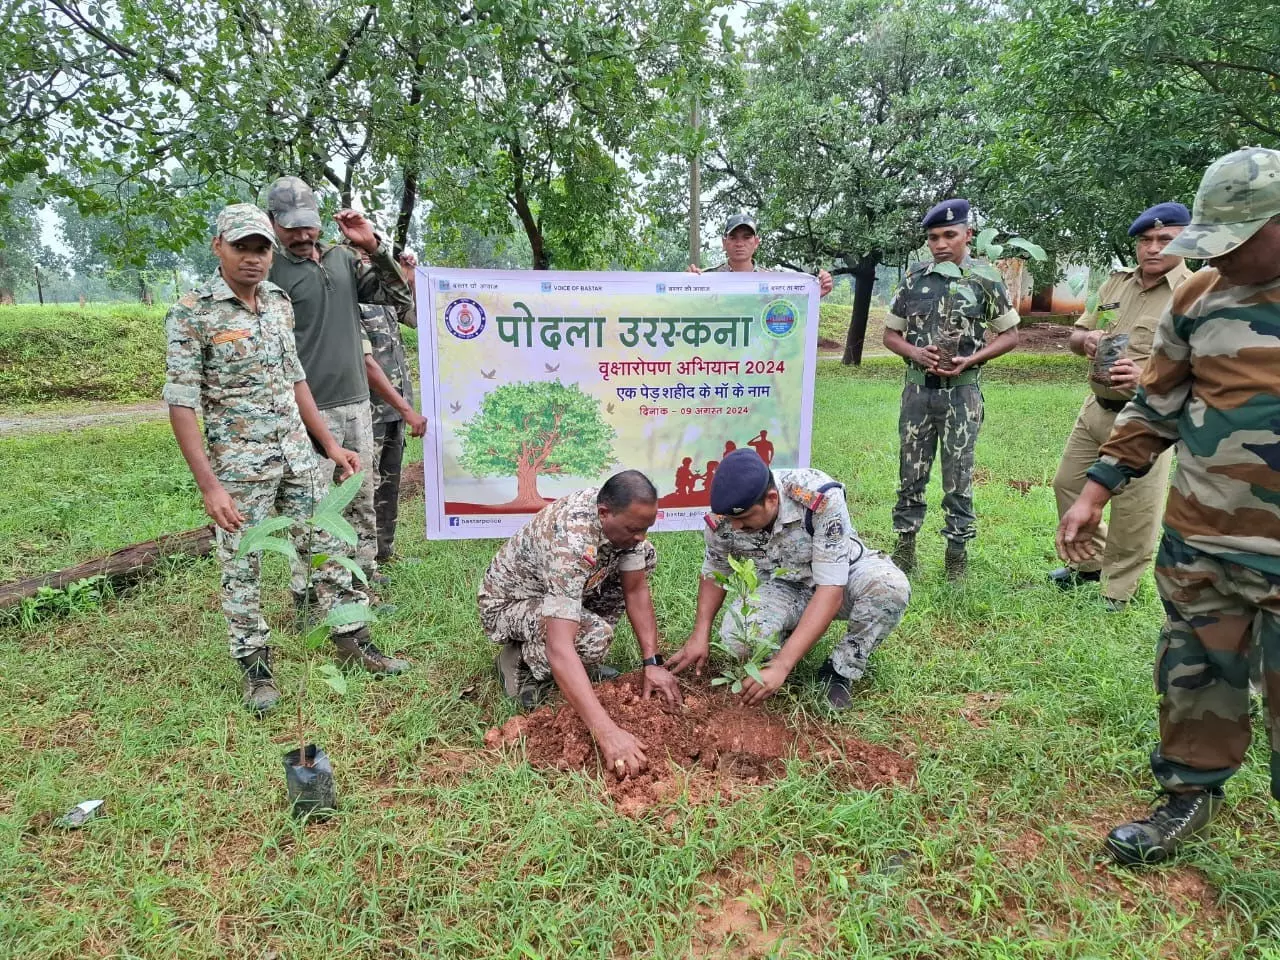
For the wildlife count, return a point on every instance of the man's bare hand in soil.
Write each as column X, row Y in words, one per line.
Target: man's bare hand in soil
column 754, row 694
column 694, row 654
column 623, row 754
column 660, row 681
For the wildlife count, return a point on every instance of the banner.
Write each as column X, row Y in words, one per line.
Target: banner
column 540, row 383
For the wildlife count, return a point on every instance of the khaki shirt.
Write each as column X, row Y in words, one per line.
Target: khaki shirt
column 1137, row 312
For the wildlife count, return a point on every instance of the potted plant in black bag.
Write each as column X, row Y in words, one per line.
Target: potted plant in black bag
column 308, row 772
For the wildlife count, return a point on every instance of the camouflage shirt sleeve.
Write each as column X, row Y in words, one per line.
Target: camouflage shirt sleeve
column 569, row 565
column 380, row 281
column 184, row 355
column 831, row 543
column 1003, row 316
column 895, row 319
column 1148, row 425
column 716, row 557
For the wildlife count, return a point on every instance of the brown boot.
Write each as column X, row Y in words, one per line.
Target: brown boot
column 356, row 649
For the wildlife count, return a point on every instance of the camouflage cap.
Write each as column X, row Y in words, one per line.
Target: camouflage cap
column 241, row 220
column 741, row 220
column 1238, row 195
column 292, row 204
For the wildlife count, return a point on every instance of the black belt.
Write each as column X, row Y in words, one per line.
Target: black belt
column 1112, row 406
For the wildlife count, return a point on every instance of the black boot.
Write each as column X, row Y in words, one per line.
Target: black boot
column 1068, row 578
column 260, row 692
column 956, row 560
column 357, row 649
column 1157, row 837
column 837, row 686
column 904, row 552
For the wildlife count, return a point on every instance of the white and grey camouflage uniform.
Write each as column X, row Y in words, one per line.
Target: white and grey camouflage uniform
column 793, row 563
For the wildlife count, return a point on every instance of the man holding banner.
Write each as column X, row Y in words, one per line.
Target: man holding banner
column 554, row 593
column 740, row 240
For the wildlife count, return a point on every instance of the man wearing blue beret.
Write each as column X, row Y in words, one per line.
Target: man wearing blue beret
column 937, row 323
column 1130, row 304
column 813, row 569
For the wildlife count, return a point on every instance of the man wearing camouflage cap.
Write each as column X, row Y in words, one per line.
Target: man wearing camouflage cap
column 231, row 355
column 741, row 239
column 1129, row 305
column 327, row 284
column 1211, row 387
column 813, row 569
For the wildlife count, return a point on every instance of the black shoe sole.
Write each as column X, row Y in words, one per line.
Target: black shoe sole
column 1126, row 855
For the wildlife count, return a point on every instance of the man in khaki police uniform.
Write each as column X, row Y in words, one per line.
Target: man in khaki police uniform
column 1136, row 298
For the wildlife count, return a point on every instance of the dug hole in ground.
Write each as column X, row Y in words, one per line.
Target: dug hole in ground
column 705, row 748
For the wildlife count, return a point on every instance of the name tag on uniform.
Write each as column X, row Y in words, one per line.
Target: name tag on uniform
column 228, row 336
column 1109, row 306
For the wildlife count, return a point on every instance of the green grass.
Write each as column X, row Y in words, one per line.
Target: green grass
column 1029, row 714
column 64, row 353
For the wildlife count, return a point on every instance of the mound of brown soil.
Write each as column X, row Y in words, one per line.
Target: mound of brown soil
column 707, row 747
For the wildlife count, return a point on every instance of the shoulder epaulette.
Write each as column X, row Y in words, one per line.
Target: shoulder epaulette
column 811, row 499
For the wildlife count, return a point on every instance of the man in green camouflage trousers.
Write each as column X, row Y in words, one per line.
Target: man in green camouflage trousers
column 937, row 323
column 1211, row 387
column 231, row 355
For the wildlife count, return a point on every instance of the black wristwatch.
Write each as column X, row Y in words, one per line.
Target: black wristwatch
column 655, row 661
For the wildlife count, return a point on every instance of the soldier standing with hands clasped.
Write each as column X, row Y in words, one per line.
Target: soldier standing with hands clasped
column 1137, row 297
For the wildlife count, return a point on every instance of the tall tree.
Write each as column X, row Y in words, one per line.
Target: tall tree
column 1106, row 108
column 855, row 118
column 22, row 252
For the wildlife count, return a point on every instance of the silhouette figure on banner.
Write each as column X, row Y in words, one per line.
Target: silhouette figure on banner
column 762, row 446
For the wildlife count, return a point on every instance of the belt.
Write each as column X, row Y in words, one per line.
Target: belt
column 935, row 382
column 1112, row 406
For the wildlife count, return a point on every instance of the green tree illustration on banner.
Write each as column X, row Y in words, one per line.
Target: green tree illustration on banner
column 533, row 429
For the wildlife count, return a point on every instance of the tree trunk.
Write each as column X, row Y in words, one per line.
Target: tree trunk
column 407, row 201
column 864, row 282
column 6, row 297
column 527, row 486
column 39, row 288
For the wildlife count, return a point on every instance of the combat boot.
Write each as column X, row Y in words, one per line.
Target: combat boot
column 260, row 692
column 837, row 687
column 904, row 552
column 356, row 649
column 1157, row 837
column 955, row 561
column 518, row 681
column 600, row 672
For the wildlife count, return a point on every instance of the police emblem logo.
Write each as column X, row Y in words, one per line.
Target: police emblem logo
column 779, row 319
column 464, row 318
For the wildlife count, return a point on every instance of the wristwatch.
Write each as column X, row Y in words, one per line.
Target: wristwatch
column 656, row 660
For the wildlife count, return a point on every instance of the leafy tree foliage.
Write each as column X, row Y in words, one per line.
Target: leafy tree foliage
column 854, row 120
column 531, row 429
column 1107, row 107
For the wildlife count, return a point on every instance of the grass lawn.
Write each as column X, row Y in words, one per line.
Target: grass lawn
column 1029, row 714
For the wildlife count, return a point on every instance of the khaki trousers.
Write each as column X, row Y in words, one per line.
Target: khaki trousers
column 1126, row 541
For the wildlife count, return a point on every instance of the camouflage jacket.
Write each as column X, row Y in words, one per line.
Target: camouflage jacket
column 1212, row 386
column 559, row 557
column 382, row 330
column 820, row 558
column 926, row 305
column 238, row 368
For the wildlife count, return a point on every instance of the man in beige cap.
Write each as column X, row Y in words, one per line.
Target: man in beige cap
column 1212, row 387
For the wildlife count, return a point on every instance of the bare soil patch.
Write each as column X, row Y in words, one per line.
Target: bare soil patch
column 703, row 750
column 1044, row 337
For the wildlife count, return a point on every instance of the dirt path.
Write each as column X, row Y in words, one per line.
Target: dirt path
column 14, row 422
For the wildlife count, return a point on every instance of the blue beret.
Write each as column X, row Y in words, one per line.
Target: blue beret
column 1161, row 215
column 740, row 480
column 947, row 213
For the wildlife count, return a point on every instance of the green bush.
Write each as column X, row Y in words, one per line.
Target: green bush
column 101, row 352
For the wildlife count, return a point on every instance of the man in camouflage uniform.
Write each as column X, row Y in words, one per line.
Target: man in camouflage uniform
column 937, row 323
column 385, row 357
column 813, row 568
column 327, row 284
column 1137, row 297
column 231, row 355
column 554, row 593
column 1210, row 387
column 740, row 240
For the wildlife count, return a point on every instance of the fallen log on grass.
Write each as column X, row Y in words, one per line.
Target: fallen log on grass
column 119, row 568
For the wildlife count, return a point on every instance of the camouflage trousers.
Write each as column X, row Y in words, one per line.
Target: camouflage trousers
column 946, row 417
column 874, row 600
column 388, row 461
column 291, row 496
column 522, row 622
column 1220, row 616
column 352, row 426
